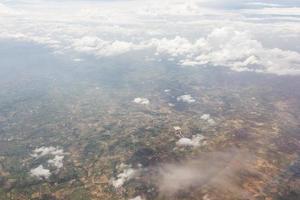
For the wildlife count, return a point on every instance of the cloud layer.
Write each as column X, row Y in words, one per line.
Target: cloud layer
column 247, row 35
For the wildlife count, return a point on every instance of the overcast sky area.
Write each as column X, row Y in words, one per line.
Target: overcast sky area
column 242, row 35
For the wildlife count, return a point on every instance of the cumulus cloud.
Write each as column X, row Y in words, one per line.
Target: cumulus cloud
column 137, row 198
column 235, row 50
column 43, row 151
column 56, row 153
column 206, row 117
column 194, row 142
column 102, row 48
column 174, row 47
column 40, row 172
column 177, row 128
column 140, row 100
column 186, row 98
column 127, row 174
column 57, row 161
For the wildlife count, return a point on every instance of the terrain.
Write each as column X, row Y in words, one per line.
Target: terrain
column 136, row 129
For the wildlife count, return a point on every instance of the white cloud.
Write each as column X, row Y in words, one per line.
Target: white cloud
column 208, row 119
column 140, row 100
column 292, row 11
column 241, row 4
column 57, row 161
column 43, row 151
column 194, row 142
column 177, row 128
column 126, row 175
column 186, row 98
column 238, row 51
column 263, row 4
column 137, row 198
column 102, row 48
column 57, row 153
column 205, row 117
column 40, row 172
column 6, row 11
column 174, row 47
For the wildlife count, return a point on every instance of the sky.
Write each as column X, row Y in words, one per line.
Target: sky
column 242, row 35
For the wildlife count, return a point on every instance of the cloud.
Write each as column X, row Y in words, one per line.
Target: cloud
column 40, row 172
column 224, row 46
column 174, row 47
column 186, row 98
column 239, row 52
column 57, row 161
column 190, row 33
column 140, row 100
column 207, row 118
column 177, row 128
column 262, row 4
column 43, row 151
column 292, row 11
column 194, row 142
column 137, row 198
column 214, row 170
column 6, row 11
column 56, row 153
column 102, row 48
column 224, row 3
column 242, row 4
column 127, row 174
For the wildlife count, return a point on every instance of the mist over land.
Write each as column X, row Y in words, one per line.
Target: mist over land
column 150, row 100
